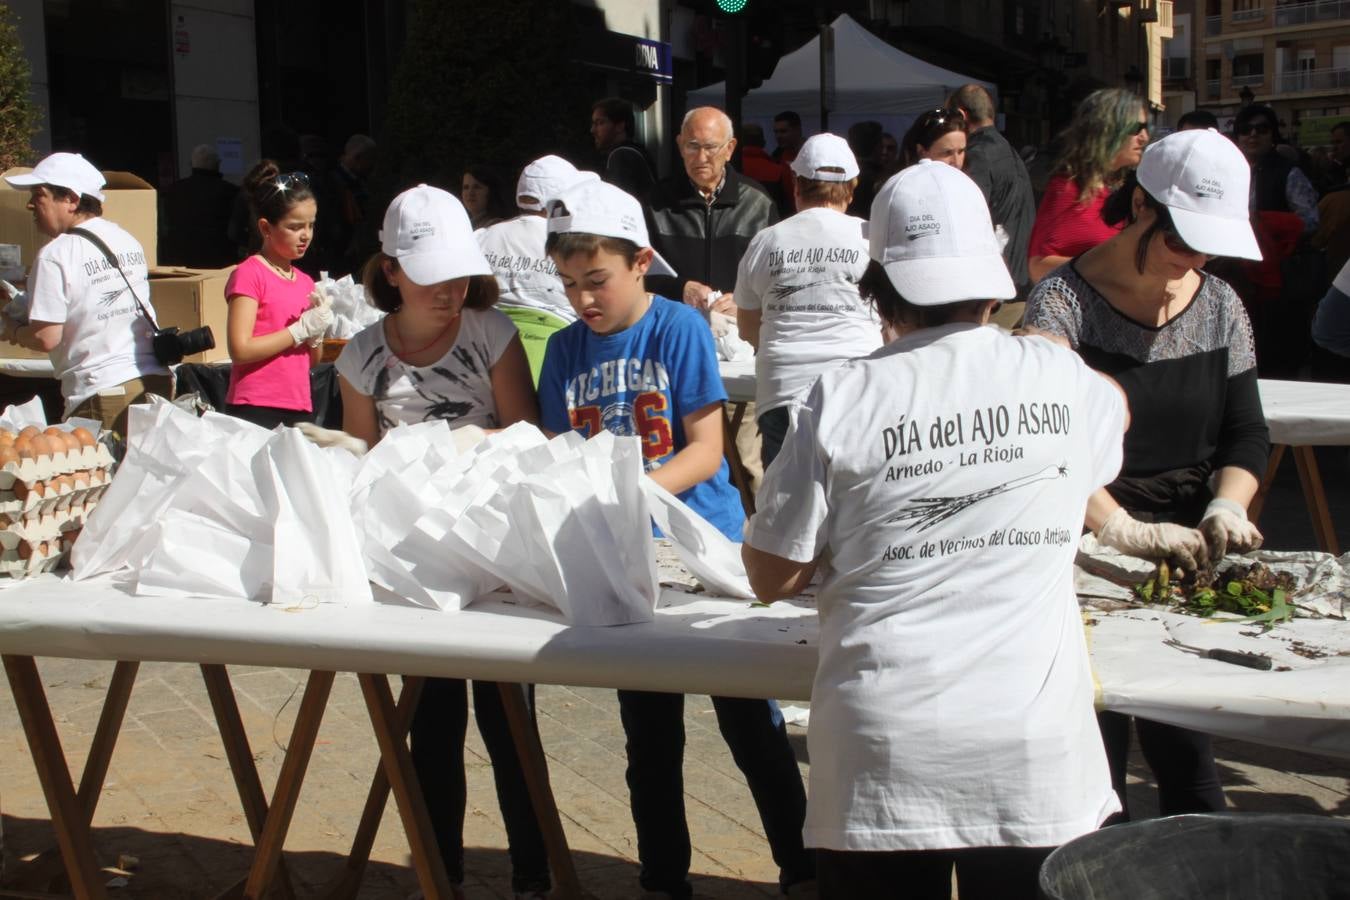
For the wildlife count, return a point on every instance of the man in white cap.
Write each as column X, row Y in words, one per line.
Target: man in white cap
column 530, row 292
column 941, row 484
column 90, row 312
column 797, row 287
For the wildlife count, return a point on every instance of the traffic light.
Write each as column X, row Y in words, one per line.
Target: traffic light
column 731, row 6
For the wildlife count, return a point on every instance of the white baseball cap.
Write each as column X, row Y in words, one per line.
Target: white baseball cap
column 427, row 230
column 1203, row 180
column 68, row 170
column 826, row 157
column 542, row 180
column 931, row 231
column 591, row 206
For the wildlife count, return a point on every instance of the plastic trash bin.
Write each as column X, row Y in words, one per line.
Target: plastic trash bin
column 1205, row 857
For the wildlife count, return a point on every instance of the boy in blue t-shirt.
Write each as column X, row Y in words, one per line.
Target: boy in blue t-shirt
column 637, row 364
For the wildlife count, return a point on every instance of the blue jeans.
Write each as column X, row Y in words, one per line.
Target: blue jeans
column 438, row 730
column 653, row 724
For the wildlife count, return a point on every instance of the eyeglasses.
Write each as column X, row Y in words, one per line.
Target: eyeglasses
column 1255, row 128
column 1138, row 128
column 694, row 148
column 291, row 181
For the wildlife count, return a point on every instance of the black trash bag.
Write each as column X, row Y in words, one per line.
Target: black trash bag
column 1196, row 857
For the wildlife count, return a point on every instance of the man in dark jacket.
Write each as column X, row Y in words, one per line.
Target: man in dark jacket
column 702, row 220
column 995, row 166
column 194, row 219
column 624, row 163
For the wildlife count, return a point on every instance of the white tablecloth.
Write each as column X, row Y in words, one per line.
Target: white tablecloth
column 28, row 368
column 697, row 644
column 1298, row 412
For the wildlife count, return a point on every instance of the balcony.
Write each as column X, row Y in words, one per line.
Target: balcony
column 1248, row 16
column 1240, row 81
column 1213, row 89
column 1314, row 13
column 1213, row 25
column 1312, row 80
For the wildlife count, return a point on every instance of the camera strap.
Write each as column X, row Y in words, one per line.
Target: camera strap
column 112, row 260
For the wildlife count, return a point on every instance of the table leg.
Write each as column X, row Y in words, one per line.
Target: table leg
column 1272, row 467
column 46, row 868
column 235, row 741
column 287, row 792
column 1310, row 477
column 398, row 768
column 348, row 881
column 69, row 817
column 731, row 426
column 535, row 768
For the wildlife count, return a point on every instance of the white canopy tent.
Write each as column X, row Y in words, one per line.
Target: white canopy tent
column 872, row 80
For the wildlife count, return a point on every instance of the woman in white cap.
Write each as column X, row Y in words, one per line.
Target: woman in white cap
column 444, row 353
column 796, row 292
column 1140, row 308
column 940, row 485
column 91, row 315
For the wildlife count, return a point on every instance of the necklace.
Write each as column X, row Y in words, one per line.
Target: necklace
column 404, row 353
column 287, row 273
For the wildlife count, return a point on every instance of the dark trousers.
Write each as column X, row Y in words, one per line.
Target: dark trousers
column 438, row 730
column 268, row 417
column 773, row 426
column 1182, row 762
column 756, row 734
column 982, row 873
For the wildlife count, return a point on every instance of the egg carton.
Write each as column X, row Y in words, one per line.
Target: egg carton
column 52, row 465
column 24, row 500
column 25, row 561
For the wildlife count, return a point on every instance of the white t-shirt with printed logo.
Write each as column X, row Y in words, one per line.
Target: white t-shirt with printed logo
column 105, row 341
column 802, row 274
column 526, row 276
column 456, row 388
column 944, row 481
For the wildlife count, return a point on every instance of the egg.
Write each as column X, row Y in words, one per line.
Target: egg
column 65, row 483
column 8, row 455
column 84, row 436
column 24, row 447
column 52, row 429
column 42, row 446
column 6, row 437
column 25, row 550
column 72, row 443
column 31, row 431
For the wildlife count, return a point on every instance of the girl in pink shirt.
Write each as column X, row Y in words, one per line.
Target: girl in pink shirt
column 274, row 328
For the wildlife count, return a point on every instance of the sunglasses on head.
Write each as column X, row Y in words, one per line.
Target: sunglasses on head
column 291, row 181
column 1255, row 128
column 938, row 117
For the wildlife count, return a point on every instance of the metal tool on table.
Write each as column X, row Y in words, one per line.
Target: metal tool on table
column 1236, row 657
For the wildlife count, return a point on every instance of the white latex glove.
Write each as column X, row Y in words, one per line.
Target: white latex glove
column 311, row 325
column 320, row 297
column 1226, row 528
column 328, row 437
column 467, row 437
column 1154, row 540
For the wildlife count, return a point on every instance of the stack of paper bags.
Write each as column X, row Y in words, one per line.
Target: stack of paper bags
column 219, row 507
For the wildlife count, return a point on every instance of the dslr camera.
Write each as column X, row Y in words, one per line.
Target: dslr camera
column 171, row 345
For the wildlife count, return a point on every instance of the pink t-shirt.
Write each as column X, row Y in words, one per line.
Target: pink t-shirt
column 282, row 381
column 1063, row 226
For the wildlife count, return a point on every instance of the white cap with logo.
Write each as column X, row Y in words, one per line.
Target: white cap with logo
column 591, row 206
column 826, row 157
column 542, row 180
column 427, row 230
column 68, row 170
column 1203, row 179
column 931, row 231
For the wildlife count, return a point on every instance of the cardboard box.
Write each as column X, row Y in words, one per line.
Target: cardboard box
column 185, row 298
column 191, row 298
column 127, row 200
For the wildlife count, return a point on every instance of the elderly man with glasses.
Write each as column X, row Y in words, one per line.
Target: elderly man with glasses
column 703, row 218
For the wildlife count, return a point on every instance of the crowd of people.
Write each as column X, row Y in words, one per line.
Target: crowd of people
column 935, row 472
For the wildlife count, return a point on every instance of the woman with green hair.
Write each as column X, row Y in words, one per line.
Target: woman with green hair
column 1104, row 141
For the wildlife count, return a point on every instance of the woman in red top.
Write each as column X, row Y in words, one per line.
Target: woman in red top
column 1105, row 139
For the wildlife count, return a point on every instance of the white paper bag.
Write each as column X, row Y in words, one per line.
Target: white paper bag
column 709, row 555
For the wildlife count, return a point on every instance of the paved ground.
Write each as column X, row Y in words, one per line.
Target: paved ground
column 170, row 801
